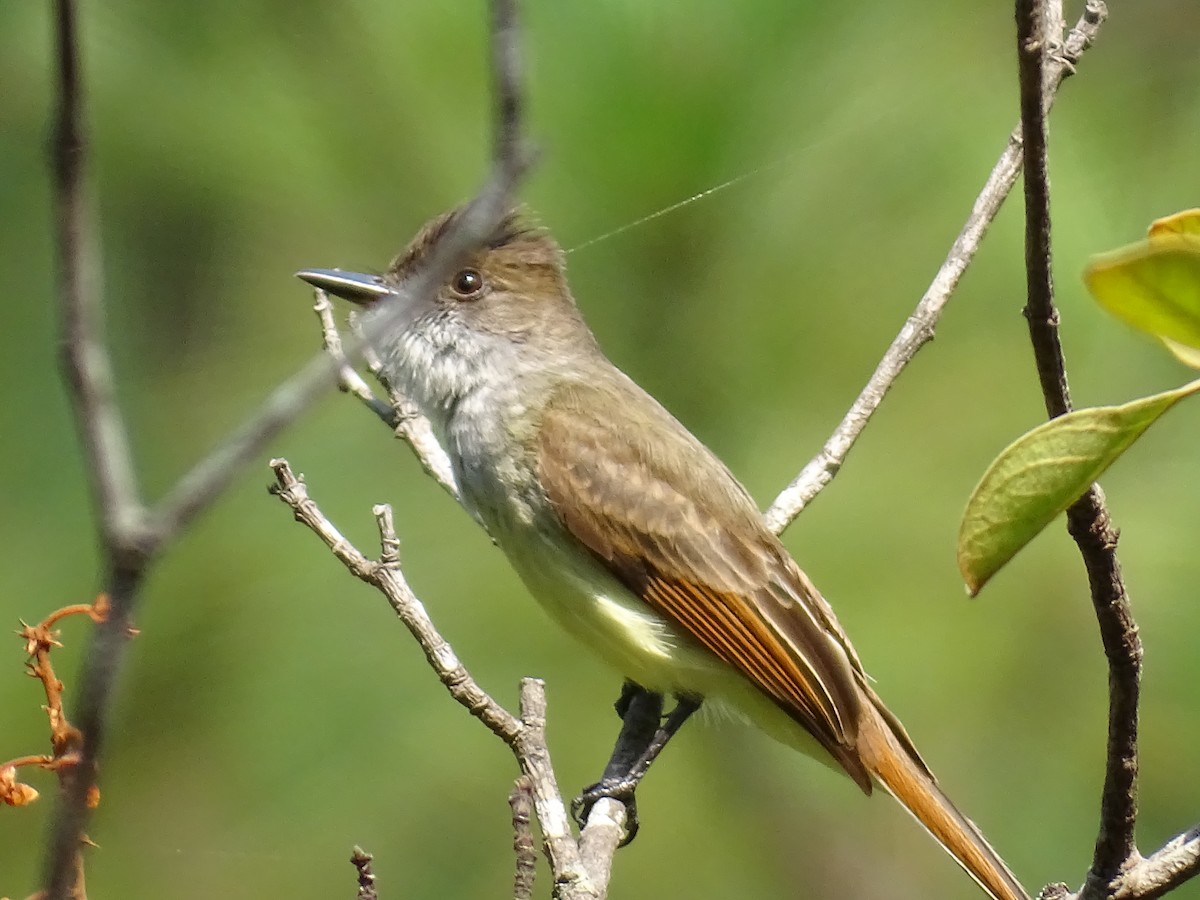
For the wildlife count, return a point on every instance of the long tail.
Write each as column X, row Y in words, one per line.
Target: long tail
column 887, row 752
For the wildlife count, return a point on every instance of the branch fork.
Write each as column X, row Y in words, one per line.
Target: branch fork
column 581, row 868
column 133, row 534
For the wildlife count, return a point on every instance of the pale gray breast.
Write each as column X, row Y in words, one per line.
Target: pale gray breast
column 485, row 439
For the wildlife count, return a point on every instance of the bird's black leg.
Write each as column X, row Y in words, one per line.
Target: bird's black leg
column 684, row 707
column 630, row 690
column 643, row 736
column 641, row 715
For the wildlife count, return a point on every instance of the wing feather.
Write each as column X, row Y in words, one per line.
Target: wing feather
column 670, row 521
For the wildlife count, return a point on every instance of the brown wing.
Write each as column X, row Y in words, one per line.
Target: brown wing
column 672, row 523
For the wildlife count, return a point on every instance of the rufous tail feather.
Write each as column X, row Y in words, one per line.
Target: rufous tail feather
column 889, row 758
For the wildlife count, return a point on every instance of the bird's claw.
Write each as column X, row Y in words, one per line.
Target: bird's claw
column 619, row 789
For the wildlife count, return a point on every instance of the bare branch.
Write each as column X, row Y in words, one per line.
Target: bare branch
column 1143, row 878
column 919, row 328
column 1089, row 524
column 349, row 381
column 508, row 109
column 102, row 661
column 130, row 535
column 414, row 429
column 197, row 489
column 533, row 755
column 1088, row 519
column 108, row 463
column 1175, row 863
column 387, row 577
column 397, row 412
column 576, row 876
column 581, row 870
column 411, row 427
column 361, row 860
column 1033, row 55
column 85, row 360
column 520, row 800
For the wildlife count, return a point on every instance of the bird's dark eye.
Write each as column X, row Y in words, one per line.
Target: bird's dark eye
column 468, row 284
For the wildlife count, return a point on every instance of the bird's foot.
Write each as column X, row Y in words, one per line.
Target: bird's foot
column 619, row 789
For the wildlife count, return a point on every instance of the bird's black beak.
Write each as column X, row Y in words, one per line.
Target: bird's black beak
column 353, row 286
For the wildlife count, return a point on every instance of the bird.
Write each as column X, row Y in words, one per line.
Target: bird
column 625, row 527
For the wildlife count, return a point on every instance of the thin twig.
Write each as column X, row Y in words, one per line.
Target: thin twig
column 398, row 412
column 98, row 675
column 65, row 739
column 520, row 801
column 361, row 860
column 576, row 876
column 533, row 754
column 1089, row 523
column 1177, row 862
column 387, row 577
column 199, row 487
column 109, row 467
column 410, row 426
column 508, row 109
column 1087, row 520
column 919, row 328
column 1032, row 53
column 85, row 361
column 414, row 429
column 349, row 381
column 131, row 536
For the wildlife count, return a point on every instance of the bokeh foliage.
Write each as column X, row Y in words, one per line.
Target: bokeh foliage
column 273, row 714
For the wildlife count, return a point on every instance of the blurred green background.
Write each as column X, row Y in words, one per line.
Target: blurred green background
column 273, row 713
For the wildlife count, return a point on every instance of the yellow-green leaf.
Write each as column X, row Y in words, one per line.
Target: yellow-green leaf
column 1186, row 222
column 1153, row 285
column 1189, row 356
column 1042, row 473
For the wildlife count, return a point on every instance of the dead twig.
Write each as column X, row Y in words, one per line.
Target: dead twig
column 65, row 739
column 918, row 329
column 581, row 869
column 132, row 534
column 1117, row 869
column 361, row 860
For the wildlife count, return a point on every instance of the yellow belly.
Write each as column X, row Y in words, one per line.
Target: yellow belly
column 590, row 603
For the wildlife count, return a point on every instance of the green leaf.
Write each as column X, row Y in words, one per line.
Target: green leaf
column 1186, row 222
column 1042, row 473
column 1153, row 285
column 1189, row 356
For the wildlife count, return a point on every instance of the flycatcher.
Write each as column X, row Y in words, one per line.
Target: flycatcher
column 628, row 530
